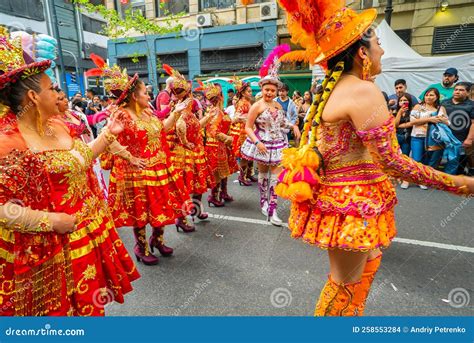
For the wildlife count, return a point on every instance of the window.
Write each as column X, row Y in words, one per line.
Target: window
column 405, row 35
column 91, row 25
column 204, row 4
column 164, row 8
column 32, row 9
column 134, row 5
column 450, row 39
column 231, row 60
column 179, row 61
column 97, row 2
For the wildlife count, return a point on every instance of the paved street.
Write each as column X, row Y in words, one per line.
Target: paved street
column 237, row 264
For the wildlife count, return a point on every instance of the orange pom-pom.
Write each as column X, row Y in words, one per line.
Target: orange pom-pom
column 282, row 190
column 300, row 191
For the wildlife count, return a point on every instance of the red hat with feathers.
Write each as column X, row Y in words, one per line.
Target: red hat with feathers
column 117, row 82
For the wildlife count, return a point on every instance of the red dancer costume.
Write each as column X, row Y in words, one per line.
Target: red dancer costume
column 188, row 154
column 346, row 204
column 78, row 125
column 218, row 145
column 154, row 194
column 237, row 131
column 44, row 273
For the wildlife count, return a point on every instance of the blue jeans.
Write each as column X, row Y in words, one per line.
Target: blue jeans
column 418, row 152
column 404, row 143
column 451, row 167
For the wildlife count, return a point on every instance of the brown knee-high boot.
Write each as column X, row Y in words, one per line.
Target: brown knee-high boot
column 141, row 248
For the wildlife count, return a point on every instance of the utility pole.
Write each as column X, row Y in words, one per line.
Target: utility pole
column 56, row 35
column 388, row 12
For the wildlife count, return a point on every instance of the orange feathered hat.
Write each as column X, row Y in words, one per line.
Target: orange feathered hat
column 323, row 28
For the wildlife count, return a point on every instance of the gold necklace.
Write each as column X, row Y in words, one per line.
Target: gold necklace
column 48, row 132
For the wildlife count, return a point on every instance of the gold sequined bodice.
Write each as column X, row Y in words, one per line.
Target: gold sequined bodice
column 346, row 159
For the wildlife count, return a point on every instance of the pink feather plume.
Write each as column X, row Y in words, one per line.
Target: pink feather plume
column 276, row 53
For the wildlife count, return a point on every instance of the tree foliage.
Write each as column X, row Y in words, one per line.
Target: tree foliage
column 131, row 22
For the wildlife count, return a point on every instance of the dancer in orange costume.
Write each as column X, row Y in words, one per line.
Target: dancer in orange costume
column 218, row 145
column 189, row 155
column 243, row 102
column 337, row 180
column 59, row 251
column 153, row 194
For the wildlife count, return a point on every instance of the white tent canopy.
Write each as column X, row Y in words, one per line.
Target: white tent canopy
column 400, row 61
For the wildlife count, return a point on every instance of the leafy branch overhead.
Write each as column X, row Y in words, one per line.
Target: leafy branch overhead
column 131, row 22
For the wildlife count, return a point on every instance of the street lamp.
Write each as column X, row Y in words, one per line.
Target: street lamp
column 388, row 12
column 444, row 5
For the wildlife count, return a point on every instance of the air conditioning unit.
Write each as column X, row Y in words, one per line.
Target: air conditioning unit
column 268, row 11
column 364, row 4
column 204, row 20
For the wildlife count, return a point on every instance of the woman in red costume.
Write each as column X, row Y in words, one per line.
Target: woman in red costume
column 59, row 251
column 188, row 154
column 155, row 193
column 79, row 128
column 338, row 179
column 243, row 98
column 218, row 145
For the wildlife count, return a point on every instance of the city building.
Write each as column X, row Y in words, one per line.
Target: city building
column 427, row 24
column 222, row 37
column 76, row 32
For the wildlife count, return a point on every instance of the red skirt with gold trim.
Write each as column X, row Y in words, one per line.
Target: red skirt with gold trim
column 154, row 195
column 194, row 169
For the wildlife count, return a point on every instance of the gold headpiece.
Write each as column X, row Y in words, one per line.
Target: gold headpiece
column 14, row 62
column 210, row 90
column 117, row 80
column 179, row 81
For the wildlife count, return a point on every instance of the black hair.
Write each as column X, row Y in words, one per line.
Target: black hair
column 347, row 56
column 466, row 85
column 436, row 91
column 410, row 101
column 132, row 90
column 285, row 87
column 13, row 95
column 230, row 90
column 400, row 81
column 91, row 90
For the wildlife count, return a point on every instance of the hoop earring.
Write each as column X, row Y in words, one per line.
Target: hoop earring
column 366, row 66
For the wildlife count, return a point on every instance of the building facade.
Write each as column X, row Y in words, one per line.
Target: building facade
column 76, row 32
column 217, row 37
column 221, row 37
column 427, row 25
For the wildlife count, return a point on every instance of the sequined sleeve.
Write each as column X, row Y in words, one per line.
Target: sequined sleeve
column 383, row 146
column 16, row 171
